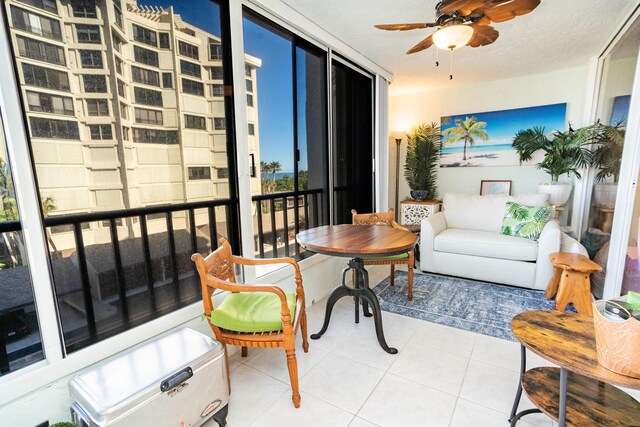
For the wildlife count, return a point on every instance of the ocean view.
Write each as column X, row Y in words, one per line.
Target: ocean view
column 280, row 175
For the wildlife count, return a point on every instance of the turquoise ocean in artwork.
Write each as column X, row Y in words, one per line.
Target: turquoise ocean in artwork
column 477, row 148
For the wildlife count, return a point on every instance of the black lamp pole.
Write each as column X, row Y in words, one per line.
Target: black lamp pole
column 398, row 142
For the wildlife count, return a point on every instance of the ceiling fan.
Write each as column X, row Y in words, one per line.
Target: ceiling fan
column 465, row 22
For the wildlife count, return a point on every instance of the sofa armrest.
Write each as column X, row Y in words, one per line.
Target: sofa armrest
column 548, row 243
column 429, row 229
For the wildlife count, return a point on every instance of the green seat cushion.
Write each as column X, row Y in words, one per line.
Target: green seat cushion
column 390, row 258
column 525, row 221
column 252, row 312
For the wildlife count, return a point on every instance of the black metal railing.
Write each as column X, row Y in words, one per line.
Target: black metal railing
column 280, row 216
column 119, row 269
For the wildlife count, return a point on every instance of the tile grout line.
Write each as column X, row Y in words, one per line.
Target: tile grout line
column 466, row 370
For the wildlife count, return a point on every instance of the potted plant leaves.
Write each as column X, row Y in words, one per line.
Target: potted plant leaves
column 607, row 158
column 421, row 165
column 564, row 154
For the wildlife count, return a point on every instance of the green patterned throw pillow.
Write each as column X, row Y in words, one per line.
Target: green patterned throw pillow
column 525, row 221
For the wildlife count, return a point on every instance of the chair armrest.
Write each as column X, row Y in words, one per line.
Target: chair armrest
column 397, row 226
column 429, row 229
column 267, row 261
column 548, row 243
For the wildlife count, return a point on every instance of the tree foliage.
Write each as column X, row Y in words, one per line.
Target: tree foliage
column 565, row 153
column 467, row 131
column 423, row 154
column 607, row 156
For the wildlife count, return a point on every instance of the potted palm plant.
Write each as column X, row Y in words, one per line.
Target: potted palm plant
column 421, row 164
column 607, row 157
column 564, row 154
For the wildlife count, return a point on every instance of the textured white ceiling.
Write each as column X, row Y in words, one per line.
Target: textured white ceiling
column 557, row 34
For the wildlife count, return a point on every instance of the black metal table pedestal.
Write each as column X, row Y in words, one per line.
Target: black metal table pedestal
column 514, row 418
column 360, row 291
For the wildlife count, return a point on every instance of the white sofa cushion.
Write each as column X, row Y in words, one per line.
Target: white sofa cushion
column 483, row 213
column 533, row 199
column 485, row 244
column 473, row 212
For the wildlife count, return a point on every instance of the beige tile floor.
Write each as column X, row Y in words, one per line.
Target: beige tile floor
column 440, row 377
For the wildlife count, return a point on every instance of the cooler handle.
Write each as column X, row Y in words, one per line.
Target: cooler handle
column 176, row 379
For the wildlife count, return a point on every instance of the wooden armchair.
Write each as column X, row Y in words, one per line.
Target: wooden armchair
column 386, row 219
column 253, row 315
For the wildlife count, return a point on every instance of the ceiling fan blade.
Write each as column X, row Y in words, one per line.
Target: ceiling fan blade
column 464, row 7
column 483, row 35
column 507, row 10
column 424, row 44
column 405, row 27
column 482, row 20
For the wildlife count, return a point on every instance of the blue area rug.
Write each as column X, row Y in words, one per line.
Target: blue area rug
column 480, row 307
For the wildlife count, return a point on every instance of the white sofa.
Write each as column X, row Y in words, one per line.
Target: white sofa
column 463, row 240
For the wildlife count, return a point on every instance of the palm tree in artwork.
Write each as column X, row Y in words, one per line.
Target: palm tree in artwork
column 467, row 130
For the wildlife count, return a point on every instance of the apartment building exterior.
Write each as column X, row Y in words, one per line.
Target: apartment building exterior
column 125, row 105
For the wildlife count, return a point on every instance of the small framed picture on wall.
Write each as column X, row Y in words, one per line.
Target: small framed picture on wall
column 495, row 187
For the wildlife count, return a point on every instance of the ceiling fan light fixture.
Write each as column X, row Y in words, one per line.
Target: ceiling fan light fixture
column 452, row 36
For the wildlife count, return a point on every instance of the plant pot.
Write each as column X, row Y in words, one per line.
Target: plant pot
column 604, row 195
column 419, row 195
column 558, row 192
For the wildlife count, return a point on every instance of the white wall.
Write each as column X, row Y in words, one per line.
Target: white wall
column 408, row 110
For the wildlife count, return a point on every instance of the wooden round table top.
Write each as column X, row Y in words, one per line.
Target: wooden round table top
column 357, row 240
column 568, row 340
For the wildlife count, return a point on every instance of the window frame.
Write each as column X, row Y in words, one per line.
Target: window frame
column 83, row 12
column 144, row 35
column 98, row 103
column 97, row 85
column 195, row 122
column 196, row 176
column 43, row 51
column 98, row 132
column 55, row 367
column 92, row 53
column 192, row 84
column 86, row 29
column 43, row 95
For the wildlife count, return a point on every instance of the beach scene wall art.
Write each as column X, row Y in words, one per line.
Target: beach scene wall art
column 484, row 139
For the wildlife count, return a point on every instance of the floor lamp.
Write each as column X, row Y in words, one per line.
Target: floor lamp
column 398, row 142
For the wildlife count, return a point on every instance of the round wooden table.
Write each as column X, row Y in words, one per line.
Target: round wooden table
column 357, row 242
column 580, row 391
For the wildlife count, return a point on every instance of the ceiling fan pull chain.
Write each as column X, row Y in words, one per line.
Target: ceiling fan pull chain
column 451, row 66
column 437, row 62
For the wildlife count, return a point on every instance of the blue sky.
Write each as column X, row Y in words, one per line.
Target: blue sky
column 503, row 125
column 201, row 13
column 275, row 93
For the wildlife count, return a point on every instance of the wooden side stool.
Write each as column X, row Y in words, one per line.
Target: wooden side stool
column 570, row 281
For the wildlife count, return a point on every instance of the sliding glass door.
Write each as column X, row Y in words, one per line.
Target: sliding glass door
column 606, row 245
column 353, row 155
column 287, row 115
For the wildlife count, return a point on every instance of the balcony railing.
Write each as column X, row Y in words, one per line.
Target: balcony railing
column 39, row 56
column 38, row 30
column 280, row 216
column 119, row 269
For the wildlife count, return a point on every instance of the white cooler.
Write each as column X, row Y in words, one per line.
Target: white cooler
column 179, row 380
